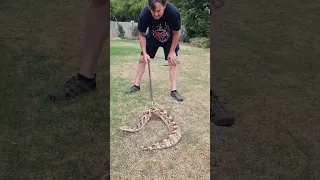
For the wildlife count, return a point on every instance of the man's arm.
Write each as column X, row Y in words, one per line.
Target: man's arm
column 142, row 40
column 175, row 40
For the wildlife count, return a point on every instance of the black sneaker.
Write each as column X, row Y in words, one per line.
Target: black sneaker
column 73, row 88
column 218, row 114
column 176, row 96
column 133, row 88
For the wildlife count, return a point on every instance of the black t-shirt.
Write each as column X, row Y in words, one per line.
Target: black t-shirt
column 160, row 29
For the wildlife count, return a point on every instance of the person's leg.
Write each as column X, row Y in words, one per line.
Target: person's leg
column 96, row 33
column 140, row 70
column 151, row 48
column 173, row 72
column 218, row 114
column 139, row 73
column 173, row 76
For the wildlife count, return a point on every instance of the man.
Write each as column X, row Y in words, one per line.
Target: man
column 218, row 114
column 96, row 33
column 163, row 20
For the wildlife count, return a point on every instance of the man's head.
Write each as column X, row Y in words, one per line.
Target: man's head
column 157, row 8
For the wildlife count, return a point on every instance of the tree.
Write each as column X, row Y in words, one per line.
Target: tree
column 195, row 16
column 126, row 10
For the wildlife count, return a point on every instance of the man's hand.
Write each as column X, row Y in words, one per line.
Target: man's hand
column 172, row 58
column 146, row 57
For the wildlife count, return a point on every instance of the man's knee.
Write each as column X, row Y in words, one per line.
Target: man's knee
column 141, row 60
column 173, row 65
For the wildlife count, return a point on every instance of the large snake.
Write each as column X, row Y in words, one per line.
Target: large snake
column 175, row 131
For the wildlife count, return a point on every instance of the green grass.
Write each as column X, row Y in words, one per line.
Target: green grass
column 127, row 160
column 40, row 48
column 124, row 48
column 267, row 67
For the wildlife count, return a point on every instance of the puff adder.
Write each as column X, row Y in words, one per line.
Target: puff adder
column 175, row 131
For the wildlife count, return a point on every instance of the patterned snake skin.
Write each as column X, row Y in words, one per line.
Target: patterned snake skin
column 175, row 131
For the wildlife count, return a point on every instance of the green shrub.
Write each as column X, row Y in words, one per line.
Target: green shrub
column 195, row 15
column 121, row 31
column 184, row 35
column 200, row 42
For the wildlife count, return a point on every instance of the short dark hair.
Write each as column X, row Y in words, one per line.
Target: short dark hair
column 152, row 2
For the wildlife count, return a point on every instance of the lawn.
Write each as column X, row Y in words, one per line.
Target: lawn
column 41, row 43
column 189, row 159
column 266, row 66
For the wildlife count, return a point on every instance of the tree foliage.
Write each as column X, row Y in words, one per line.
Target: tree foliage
column 126, row 10
column 195, row 14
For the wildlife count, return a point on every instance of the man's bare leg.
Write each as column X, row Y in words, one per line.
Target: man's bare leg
column 173, row 80
column 96, row 32
column 173, row 76
column 141, row 66
column 218, row 114
column 140, row 70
